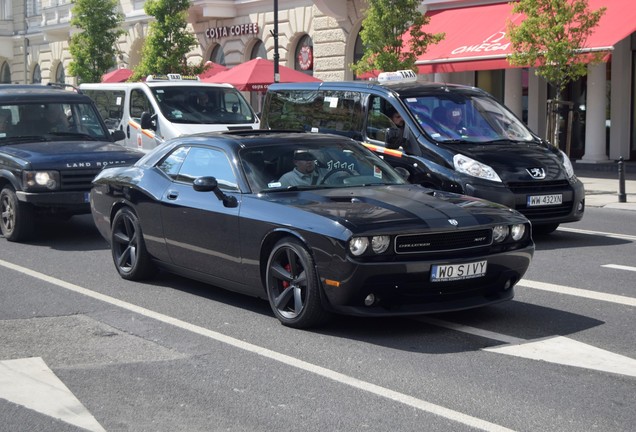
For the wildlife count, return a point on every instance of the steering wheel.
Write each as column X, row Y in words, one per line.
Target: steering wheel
column 332, row 172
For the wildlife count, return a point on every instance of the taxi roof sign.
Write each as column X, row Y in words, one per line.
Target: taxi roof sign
column 172, row 77
column 406, row 75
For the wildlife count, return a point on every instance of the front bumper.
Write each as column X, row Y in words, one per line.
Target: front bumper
column 74, row 201
column 405, row 288
column 515, row 196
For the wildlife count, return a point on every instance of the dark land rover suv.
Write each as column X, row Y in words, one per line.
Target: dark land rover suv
column 52, row 144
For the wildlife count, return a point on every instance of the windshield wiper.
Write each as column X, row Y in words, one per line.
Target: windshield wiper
column 75, row 135
column 24, row 138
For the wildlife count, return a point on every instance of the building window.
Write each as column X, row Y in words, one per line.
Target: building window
column 60, row 77
column 37, row 75
column 258, row 50
column 6, row 10
column 305, row 55
column 217, row 55
column 5, row 73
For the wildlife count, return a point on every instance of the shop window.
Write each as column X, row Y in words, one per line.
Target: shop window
column 305, row 56
column 60, row 76
column 217, row 55
column 258, row 50
column 36, row 78
column 5, row 73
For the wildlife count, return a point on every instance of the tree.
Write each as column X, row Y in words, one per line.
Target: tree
column 94, row 48
column 552, row 38
column 385, row 23
column 168, row 42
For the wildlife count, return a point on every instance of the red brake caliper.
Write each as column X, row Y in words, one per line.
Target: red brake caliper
column 288, row 268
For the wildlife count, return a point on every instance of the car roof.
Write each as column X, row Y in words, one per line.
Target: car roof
column 32, row 93
column 404, row 89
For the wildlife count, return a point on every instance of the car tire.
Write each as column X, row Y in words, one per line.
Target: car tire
column 293, row 288
column 17, row 219
column 128, row 247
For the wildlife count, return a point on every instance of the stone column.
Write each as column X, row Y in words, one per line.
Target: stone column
column 513, row 91
column 595, row 114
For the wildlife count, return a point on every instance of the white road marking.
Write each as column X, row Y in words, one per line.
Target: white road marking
column 30, row 383
column 578, row 292
column 554, row 349
column 562, row 350
column 619, row 267
column 599, row 233
column 384, row 392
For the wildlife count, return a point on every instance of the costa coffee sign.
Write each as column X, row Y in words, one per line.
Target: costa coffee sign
column 235, row 30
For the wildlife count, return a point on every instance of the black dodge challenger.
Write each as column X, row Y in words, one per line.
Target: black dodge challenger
column 349, row 235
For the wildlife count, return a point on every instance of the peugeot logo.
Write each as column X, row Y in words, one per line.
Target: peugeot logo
column 453, row 222
column 536, row 173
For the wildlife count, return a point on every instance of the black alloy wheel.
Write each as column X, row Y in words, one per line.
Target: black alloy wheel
column 293, row 289
column 16, row 218
column 128, row 248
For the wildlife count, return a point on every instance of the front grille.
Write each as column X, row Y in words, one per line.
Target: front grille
column 441, row 242
column 539, row 187
column 77, row 180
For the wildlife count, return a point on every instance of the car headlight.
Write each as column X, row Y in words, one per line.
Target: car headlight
column 499, row 233
column 471, row 167
column 517, row 231
column 40, row 180
column 380, row 244
column 567, row 164
column 358, row 245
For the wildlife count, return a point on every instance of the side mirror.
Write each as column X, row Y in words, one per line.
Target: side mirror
column 209, row 184
column 392, row 138
column 147, row 121
column 403, row 172
column 118, row 135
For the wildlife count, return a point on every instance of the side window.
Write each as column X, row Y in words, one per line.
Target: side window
column 110, row 104
column 139, row 103
column 171, row 164
column 202, row 161
column 377, row 119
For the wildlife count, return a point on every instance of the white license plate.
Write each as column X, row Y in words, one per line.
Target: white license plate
column 545, row 200
column 453, row 272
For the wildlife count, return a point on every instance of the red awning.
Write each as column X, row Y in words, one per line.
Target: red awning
column 476, row 36
column 117, row 76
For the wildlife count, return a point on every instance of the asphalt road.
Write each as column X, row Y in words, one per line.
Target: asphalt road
column 82, row 349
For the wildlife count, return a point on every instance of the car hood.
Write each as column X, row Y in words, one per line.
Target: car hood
column 514, row 162
column 72, row 154
column 400, row 207
column 194, row 128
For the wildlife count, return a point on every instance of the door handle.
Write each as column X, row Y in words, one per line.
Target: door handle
column 172, row 195
column 128, row 131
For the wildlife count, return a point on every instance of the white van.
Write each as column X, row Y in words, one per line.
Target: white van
column 168, row 106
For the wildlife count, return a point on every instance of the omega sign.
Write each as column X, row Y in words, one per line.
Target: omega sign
column 495, row 42
column 235, row 30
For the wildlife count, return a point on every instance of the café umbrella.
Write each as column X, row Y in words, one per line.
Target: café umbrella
column 257, row 74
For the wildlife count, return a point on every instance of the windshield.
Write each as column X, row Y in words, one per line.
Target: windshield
column 334, row 164
column 466, row 117
column 203, row 105
column 51, row 121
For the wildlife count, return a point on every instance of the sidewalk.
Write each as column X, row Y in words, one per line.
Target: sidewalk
column 602, row 185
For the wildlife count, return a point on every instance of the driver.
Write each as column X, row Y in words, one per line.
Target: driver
column 305, row 171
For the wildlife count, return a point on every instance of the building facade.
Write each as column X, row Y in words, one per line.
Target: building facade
column 321, row 38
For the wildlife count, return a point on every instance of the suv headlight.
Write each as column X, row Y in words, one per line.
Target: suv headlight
column 471, row 167
column 567, row 164
column 40, row 180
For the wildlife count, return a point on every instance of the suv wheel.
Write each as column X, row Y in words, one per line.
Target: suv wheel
column 16, row 220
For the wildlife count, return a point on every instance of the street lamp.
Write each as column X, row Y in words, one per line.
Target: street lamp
column 275, row 34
